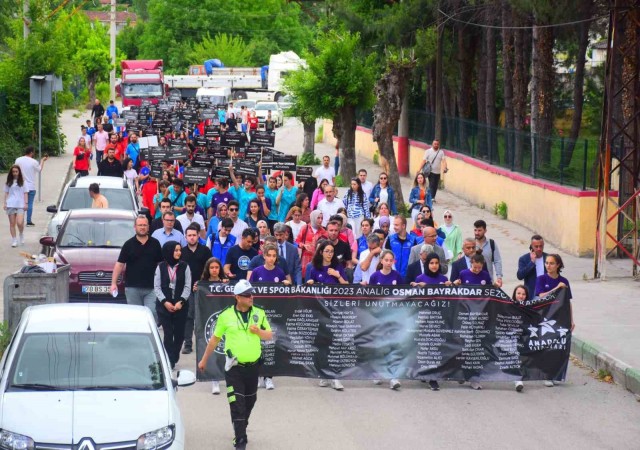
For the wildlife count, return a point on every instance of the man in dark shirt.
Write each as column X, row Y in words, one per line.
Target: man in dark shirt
column 97, row 112
column 138, row 259
column 341, row 248
column 196, row 256
column 165, row 206
column 240, row 255
column 110, row 167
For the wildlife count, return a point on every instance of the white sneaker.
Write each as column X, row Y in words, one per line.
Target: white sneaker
column 394, row 384
column 268, row 383
column 377, row 382
column 215, row 387
column 21, row 241
column 261, row 382
column 519, row 386
column 548, row 383
column 337, row 385
column 14, row 243
column 323, row 383
column 475, row 386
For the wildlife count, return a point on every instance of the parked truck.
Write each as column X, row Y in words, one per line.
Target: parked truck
column 141, row 80
column 259, row 83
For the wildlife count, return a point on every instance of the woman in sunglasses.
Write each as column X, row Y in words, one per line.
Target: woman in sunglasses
column 453, row 236
column 383, row 193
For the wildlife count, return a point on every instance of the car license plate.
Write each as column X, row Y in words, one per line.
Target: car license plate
column 95, row 289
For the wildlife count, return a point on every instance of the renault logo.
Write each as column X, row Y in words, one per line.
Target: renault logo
column 86, row 444
column 100, row 274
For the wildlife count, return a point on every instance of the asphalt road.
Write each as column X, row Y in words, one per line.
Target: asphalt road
column 583, row 413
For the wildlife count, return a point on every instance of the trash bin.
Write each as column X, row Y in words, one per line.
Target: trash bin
column 22, row 290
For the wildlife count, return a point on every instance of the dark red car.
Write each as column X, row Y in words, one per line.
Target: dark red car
column 90, row 241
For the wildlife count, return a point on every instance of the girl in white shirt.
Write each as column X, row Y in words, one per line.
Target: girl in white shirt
column 15, row 203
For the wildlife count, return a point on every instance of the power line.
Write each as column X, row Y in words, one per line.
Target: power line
column 496, row 27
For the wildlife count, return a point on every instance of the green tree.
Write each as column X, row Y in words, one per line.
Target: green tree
column 94, row 59
column 232, row 50
column 174, row 27
column 337, row 80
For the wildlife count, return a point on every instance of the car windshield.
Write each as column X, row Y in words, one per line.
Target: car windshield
column 142, row 90
column 96, row 232
column 77, row 198
column 87, row 361
column 250, row 104
column 213, row 99
column 266, row 106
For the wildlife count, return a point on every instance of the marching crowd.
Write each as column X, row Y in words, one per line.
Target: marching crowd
column 271, row 229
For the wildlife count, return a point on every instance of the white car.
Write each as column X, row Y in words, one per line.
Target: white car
column 89, row 377
column 262, row 110
column 119, row 193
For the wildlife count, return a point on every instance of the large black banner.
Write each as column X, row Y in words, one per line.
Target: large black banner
column 380, row 332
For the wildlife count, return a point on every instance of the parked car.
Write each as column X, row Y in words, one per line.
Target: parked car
column 285, row 102
column 90, row 241
column 119, row 193
column 262, row 110
column 250, row 104
column 78, row 377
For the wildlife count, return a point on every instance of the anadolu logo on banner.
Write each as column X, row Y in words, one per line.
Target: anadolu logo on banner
column 210, row 327
column 547, row 336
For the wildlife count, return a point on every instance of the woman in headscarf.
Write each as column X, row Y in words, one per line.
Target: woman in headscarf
column 221, row 213
column 307, row 238
column 432, row 275
column 453, row 240
column 172, row 286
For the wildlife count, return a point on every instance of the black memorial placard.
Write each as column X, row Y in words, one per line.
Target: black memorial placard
column 155, row 170
column 284, row 162
column 177, row 152
column 196, row 175
column 157, row 153
column 246, row 168
column 303, row 173
column 233, row 139
column 203, row 160
column 466, row 332
column 263, row 138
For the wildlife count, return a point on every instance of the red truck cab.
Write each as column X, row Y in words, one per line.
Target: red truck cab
column 141, row 80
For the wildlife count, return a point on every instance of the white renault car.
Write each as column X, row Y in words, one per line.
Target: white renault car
column 89, row 377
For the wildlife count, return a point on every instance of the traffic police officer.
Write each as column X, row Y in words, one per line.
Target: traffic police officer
column 243, row 326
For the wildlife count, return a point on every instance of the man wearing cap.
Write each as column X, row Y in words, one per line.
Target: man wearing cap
column 243, row 326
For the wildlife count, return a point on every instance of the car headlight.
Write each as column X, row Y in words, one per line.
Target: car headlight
column 15, row 441
column 157, row 439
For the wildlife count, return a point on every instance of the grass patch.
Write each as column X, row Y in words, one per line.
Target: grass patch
column 501, row 210
column 308, row 159
column 5, row 337
column 320, row 134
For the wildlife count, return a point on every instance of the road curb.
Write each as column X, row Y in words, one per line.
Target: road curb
column 596, row 358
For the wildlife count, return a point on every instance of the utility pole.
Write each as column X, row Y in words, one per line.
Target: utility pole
column 112, row 49
column 25, row 18
column 440, row 31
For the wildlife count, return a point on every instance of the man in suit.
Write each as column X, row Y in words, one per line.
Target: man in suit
column 419, row 267
column 464, row 262
column 430, row 234
column 288, row 252
column 531, row 265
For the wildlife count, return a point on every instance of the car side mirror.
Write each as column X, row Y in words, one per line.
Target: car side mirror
column 47, row 241
column 186, row 378
column 52, row 209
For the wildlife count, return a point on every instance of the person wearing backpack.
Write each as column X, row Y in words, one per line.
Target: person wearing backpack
column 490, row 251
column 433, row 166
